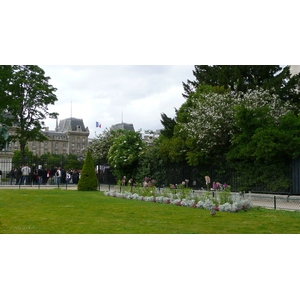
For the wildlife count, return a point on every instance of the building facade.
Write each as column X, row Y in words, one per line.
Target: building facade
column 69, row 137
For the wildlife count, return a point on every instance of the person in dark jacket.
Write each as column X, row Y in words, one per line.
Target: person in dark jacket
column 12, row 175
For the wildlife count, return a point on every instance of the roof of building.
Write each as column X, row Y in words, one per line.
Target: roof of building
column 71, row 124
column 124, row 126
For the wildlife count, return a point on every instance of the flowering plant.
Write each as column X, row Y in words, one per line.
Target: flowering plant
column 207, row 181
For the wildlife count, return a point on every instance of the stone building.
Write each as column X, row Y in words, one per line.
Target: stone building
column 69, row 137
column 123, row 126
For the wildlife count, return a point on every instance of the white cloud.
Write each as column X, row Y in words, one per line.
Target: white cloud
column 102, row 93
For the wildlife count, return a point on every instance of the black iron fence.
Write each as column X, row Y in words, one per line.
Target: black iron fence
column 43, row 175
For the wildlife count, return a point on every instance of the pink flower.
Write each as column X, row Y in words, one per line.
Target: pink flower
column 173, row 186
column 183, row 182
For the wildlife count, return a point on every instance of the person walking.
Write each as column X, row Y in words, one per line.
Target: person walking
column 40, row 173
column 25, row 174
column 12, row 175
column 0, row 177
column 18, row 174
column 58, row 175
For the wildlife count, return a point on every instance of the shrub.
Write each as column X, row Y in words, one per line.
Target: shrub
column 88, row 178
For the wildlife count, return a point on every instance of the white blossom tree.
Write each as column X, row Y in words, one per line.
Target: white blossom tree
column 210, row 122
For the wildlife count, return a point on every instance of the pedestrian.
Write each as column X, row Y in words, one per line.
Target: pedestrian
column 25, row 174
column 40, row 174
column 58, row 176
column 63, row 175
column 12, row 175
column 18, row 174
column 52, row 175
column 0, row 177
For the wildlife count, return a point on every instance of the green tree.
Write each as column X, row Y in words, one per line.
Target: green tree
column 29, row 95
column 169, row 125
column 263, row 145
column 125, row 152
column 100, row 146
column 5, row 75
column 17, row 157
column 245, row 77
column 88, row 177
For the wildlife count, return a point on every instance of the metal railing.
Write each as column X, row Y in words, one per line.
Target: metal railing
column 283, row 202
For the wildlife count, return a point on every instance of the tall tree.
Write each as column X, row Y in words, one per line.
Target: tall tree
column 29, row 94
column 276, row 78
column 169, row 125
column 5, row 75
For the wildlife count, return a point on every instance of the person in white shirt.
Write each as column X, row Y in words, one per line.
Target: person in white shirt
column 25, row 174
column 58, row 175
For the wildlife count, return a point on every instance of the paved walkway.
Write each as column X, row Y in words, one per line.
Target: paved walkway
column 103, row 187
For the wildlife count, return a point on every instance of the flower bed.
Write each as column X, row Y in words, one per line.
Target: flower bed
column 220, row 201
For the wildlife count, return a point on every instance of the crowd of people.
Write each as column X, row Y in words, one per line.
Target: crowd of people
column 43, row 176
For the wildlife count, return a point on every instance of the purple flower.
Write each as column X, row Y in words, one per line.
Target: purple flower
column 146, row 178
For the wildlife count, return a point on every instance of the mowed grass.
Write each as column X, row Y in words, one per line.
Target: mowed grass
column 74, row 212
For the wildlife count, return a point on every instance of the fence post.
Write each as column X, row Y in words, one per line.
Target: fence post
column 274, row 202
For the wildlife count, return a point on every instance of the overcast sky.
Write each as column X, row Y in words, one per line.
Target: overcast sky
column 103, row 93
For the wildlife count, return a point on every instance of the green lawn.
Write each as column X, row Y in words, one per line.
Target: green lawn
column 66, row 211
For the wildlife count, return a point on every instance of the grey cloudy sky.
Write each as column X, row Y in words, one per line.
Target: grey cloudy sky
column 102, row 93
